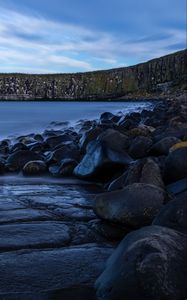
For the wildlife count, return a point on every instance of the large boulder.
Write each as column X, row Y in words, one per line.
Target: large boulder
column 53, row 141
column 149, row 263
column 135, row 206
column 114, row 139
column 36, row 167
column 89, row 136
column 139, row 147
column 101, row 162
column 174, row 214
column 65, row 168
column 17, row 160
column 66, row 151
column 162, row 147
column 176, row 165
column 145, row 170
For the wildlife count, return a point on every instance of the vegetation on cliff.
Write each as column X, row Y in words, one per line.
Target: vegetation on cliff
column 143, row 80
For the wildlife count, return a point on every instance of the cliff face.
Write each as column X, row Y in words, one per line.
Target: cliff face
column 143, row 79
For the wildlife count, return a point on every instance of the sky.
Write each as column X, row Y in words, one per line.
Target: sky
column 61, row 36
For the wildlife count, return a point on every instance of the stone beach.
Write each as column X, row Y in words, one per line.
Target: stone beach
column 113, row 187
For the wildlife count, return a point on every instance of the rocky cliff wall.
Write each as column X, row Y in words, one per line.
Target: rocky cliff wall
column 155, row 76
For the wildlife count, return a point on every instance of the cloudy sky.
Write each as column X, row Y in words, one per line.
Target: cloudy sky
column 46, row 36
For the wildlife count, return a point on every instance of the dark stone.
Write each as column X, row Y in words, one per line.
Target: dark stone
column 149, row 263
column 139, row 147
column 106, row 116
column 56, row 140
column 135, row 206
column 89, row 136
column 17, row 160
column 38, row 137
column 118, row 183
column 101, row 162
column 63, row 152
column 33, row 235
column 114, row 139
column 145, row 170
column 110, row 231
column 18, row 146
column 37, row 147
column 174, row 214
column 127, row 123
column 177, row 187
column 162, row 147
column 51, row 269
column 176, row 165
column 65, row 169
column 36, row 167
column 2, row 167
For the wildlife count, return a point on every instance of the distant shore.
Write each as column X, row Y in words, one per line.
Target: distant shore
column 152, row 79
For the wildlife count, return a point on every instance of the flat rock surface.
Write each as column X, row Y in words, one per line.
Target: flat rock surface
column 51, row 269
column 33, row 235
column 48, row 248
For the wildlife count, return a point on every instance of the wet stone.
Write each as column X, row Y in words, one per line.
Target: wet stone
column 33, row 235
column 65, row 268
column 23, row 215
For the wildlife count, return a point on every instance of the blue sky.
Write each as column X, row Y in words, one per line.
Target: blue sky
column 42, row 36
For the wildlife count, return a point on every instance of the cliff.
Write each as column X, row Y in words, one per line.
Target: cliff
column 156, row 76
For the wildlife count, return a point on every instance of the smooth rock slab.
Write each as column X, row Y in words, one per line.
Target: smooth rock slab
column 38, row 235
column 20, row 215
column 36, row 271
column 10, row 204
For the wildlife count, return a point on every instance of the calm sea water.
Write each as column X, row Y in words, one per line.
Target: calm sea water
column 18, row 118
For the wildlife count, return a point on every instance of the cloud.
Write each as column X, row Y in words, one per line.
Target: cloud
column 32, row 43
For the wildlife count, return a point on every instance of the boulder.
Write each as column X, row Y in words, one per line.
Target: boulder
column 37, row 147
column 118, row 183
column 178, row 145
column 145, row 170
column 136, row 205
column 176, row 165
column 174, row 214
column 106, row 116
column 149, row 263
column 2, row 167
column 177, row 187
column 114, row 139
column 17, row 160
column 141, row 130
column 56, row 140
column 18, row 146
column 63, row 152
column 162, row 147
column 89, row 136
column 36, row 167
column 101, row 162
column 139, row 147
column 65, row 169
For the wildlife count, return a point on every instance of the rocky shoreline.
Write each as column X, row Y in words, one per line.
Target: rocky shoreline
column 137, row 169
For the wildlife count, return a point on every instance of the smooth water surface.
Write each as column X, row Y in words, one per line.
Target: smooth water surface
column 17, row 118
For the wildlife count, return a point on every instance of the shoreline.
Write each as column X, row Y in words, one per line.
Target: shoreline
column 129, row 205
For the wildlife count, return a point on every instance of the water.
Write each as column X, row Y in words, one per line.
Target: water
column 17, row 118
